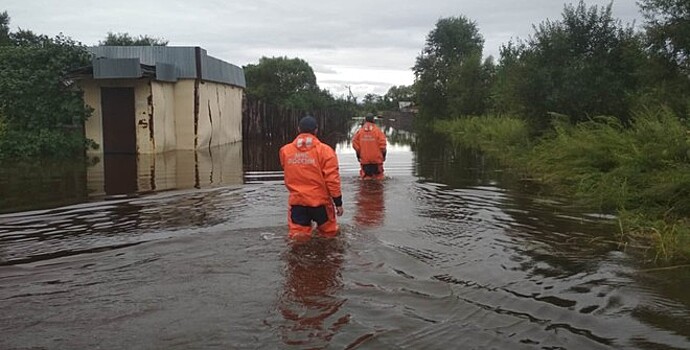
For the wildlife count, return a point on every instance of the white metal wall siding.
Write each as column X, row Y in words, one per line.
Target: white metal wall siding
column 164, row 116
column 220, row 115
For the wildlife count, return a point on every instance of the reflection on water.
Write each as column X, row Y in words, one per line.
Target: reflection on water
column 43, row 183
column 121, row 174
column 450, row 251
column 47, row 184
column 370, row 203
column 310, row 301
column 262, row 155
column 91, row 227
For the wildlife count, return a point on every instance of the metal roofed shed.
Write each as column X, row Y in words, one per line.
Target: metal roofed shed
column 151, row 99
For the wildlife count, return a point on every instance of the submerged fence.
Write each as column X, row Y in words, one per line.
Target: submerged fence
column 264, row 121
column 266, row 128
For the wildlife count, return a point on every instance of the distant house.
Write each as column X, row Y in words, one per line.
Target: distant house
column 152, row 99
column 404, row 104
column 407, row 107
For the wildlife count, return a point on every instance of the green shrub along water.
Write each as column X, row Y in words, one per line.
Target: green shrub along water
column 640, row 171
column 2, row 126
column 41, row 111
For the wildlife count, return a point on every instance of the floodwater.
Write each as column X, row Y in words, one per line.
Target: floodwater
column 189, row 251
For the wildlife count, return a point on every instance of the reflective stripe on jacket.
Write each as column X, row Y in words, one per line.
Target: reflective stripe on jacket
column 311, row 171
column 369, row 143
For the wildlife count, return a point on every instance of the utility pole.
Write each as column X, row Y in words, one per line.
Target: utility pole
column 350, row 97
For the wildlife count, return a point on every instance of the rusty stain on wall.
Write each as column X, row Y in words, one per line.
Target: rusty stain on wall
column 197, row 81
column 166, row 110
column 149, row 99
column 210, row 120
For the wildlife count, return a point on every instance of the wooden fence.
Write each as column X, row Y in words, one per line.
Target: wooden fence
column 263, row 121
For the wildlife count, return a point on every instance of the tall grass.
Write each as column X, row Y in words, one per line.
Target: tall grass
column 3, row 125
column 640, row 171
column 494, row 135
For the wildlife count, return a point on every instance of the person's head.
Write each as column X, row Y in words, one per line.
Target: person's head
column 369, row 117
column 308, row 124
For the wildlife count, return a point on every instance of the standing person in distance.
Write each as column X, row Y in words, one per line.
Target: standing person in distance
column 313, row 180
column 369, row 143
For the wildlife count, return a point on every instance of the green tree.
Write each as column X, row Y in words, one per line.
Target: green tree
column 396, row 94
column 289, row 82
column 668, row 66
column 469, row 86
column 125, row 39
column 5, row 29
column 309, row 100
column 452, row 44
column 668, row 29
column 582, row 66
column 512, row 68
column 665, row 84
column 41, row 111
column 372, row 102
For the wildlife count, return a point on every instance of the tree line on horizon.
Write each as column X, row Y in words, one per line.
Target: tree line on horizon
column 584, row 65
column 42, row 111
column 590, row 108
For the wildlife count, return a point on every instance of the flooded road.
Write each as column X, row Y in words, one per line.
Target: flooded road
column 449, row 251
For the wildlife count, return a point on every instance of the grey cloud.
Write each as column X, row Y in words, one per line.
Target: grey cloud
column 365, row 34
column 359, row 88
column 360, row 82
column 323, row 69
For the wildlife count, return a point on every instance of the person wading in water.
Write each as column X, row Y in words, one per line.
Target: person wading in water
column 313, row 180
column 370, row 144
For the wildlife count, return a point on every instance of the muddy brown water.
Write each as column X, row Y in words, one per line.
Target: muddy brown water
column 189, row 251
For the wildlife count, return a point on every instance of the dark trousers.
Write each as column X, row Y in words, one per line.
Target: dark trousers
column 374, row 171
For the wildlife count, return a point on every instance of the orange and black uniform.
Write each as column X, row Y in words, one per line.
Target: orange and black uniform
column 370, row 144
column 313, row 180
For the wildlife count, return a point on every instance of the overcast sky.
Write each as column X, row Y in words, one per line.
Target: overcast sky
column 369, row 45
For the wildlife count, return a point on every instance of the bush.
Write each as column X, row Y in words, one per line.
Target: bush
column 498, row 136
column 606, row 164
column 3, row 126
column 583, row 65
column 640, row 172
column 41, row 108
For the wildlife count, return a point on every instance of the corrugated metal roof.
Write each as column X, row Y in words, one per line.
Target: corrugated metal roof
column 117, row 68
column 182, row 58
column 219, row 71
column 166, row 72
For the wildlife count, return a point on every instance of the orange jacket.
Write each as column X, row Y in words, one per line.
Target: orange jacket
column 311, row 171
column 370, row 144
